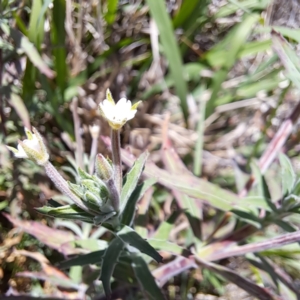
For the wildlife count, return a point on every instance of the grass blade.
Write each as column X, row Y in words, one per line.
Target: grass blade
column 225, row 54
column 159, row 14
column 58, row 37
column 288, row 58
column 110, row 15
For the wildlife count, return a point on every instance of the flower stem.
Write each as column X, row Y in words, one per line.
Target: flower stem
column 116, row 159
column 62, row 185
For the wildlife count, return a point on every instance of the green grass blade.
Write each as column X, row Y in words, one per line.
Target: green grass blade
column 58, row 37
column 288, row 58
column 225, row 54
column 247, row 5
column 110, row 15
column 159, row 13
column 36, row 24
column 186, row 9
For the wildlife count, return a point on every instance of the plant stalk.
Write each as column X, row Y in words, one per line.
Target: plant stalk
column 116, row 159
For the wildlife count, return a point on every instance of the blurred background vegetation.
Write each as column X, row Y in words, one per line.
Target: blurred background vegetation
column 219, row 82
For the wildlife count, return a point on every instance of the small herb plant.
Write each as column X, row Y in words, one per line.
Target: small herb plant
column 102, row 198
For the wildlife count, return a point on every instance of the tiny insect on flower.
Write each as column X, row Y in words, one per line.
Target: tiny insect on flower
column 33, row 148
column 117, row 114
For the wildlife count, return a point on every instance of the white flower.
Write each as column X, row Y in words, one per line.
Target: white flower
column 33, row 148
column 117, row 114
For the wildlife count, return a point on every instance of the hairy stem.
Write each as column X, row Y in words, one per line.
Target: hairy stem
column 116, row 159
column 62, row 185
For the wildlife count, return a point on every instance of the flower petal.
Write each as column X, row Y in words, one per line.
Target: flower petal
column 117, row 114
column 21, row 153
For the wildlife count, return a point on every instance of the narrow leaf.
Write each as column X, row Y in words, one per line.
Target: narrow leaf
column 71, row 212
column 165, row 228
column 109, row 262
column 110, row 15
column 36, row 24
column 199, row 188
column 23, row 43
column 145, row 278
column 164, row 245
column 225, row 54
column 159, row 13
column 130, row 208
column 82, row 260
column 128, row 235
column 20, row 108
column 242, row 282
column 288, row 57
column 288, row 175
column 58, row 37
column 131, row 179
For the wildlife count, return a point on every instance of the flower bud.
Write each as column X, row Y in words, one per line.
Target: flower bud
column 33, row 148
column 103, row 168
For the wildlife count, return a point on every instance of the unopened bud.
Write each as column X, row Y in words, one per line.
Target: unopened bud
column 33, row 148
column 103, row 168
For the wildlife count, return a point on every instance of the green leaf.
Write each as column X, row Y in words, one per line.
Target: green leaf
column 247, row 5
column 164, row 230
column 288, row 175
column 109, row 262
column 128, row 235
column 3, row 204
column 82, row 260
column 285, row 225
column 58, row 38
column 145, row 278
column 252, row 88
column 255, row 47
column 130, row 208
column 131, row 180
column 110, row 15
column 248, row 217
column 71, row 212
column 164, row 245
column 225, row 54
column 199, row 188
column 36, row 24
column 288, row 57
column 241, row 281
column 289, row 33
column 20, row 108
column 186, row 9
column 162, row 19
column 192, row 211
column 22, row 42
column 44, row 8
